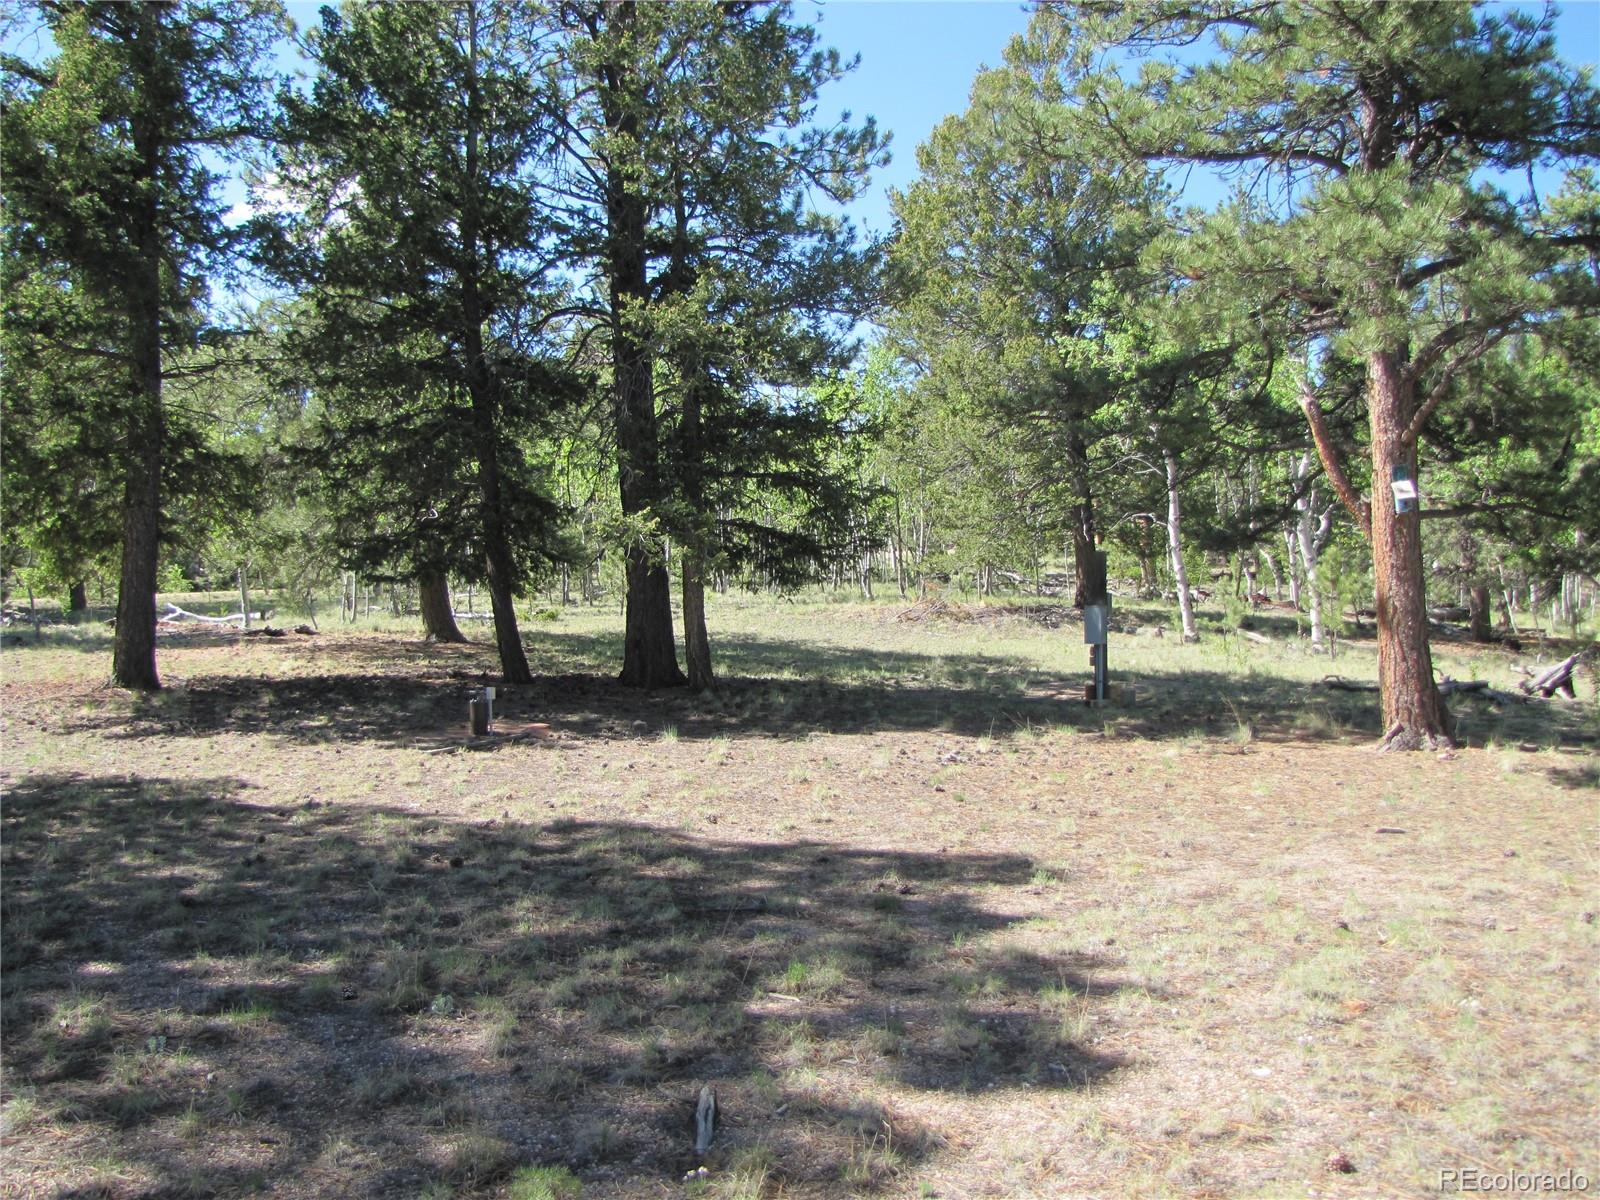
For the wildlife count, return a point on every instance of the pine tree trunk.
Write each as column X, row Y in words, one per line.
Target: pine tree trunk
column 500, row 567
column 649, row 655
column 1414, row 714
column 1478, row 613
column 1175, row 549
column 1087, row 565
column 78, row 602
column 696, row 642
column 438, row 617
column 134, row 648
column 484, row 388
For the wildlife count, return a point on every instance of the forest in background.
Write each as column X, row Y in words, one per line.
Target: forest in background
column 559, row 298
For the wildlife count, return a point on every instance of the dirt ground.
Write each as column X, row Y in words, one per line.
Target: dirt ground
column 926, row 924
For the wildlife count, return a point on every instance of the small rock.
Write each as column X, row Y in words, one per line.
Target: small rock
column 1511, row 854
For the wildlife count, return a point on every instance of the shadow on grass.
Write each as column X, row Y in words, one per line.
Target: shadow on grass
column 1584, row 777
column 409, row 693
column 214, row 993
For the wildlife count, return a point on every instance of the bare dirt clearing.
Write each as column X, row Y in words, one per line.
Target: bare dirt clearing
column 927, row 929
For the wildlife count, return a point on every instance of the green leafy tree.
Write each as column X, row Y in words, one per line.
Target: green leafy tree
column 688, row 151
column 1370, row 140
column 1015, row 251
column 113, row 232
column 421, row 253
column 1518, row 466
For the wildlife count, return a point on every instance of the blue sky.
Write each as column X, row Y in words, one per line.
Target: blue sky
column 918, row 60
column 919, row 57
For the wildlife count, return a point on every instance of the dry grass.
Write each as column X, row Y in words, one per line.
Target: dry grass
column 926, row 927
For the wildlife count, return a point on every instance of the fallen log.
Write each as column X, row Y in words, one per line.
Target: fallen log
column 175, row 614
column 1446, row 687
column 1500, row 697
column 1557, row 679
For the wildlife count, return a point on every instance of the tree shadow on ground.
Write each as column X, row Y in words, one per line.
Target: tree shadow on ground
column 1584, row 777
column 219, row 994
column 401, row 693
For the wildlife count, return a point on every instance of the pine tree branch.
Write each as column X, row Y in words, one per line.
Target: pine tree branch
column 1331, row 463
column 1485, row 341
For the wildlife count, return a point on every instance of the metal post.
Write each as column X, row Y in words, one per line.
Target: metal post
column 1096, row 625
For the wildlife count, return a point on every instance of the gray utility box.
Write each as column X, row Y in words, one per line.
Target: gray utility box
column 1096, row 622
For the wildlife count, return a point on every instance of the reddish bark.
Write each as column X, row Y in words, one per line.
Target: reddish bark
column 438, row 617
column 1414, row 714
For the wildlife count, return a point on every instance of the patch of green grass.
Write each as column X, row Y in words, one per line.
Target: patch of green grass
column 748, row 1174
column 612, row 1010
column 477, row 1158
column 874, row 1159
column 390, row 1085
column 251, row 1012
column 543, row 1183
column 815, row 978
column 597, row 1141
column 21, row 1113
column 192, row 1122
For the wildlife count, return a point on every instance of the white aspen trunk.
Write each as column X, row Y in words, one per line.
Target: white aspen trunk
column 1175, row 549
column 1311, row 535
column 1289, row 558
column 1277, row 575
column 1309, row 551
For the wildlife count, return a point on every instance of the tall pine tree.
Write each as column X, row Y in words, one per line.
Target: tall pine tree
column 1373, row 141
column 689, row 152
column 113, row 232
column 422, row 253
